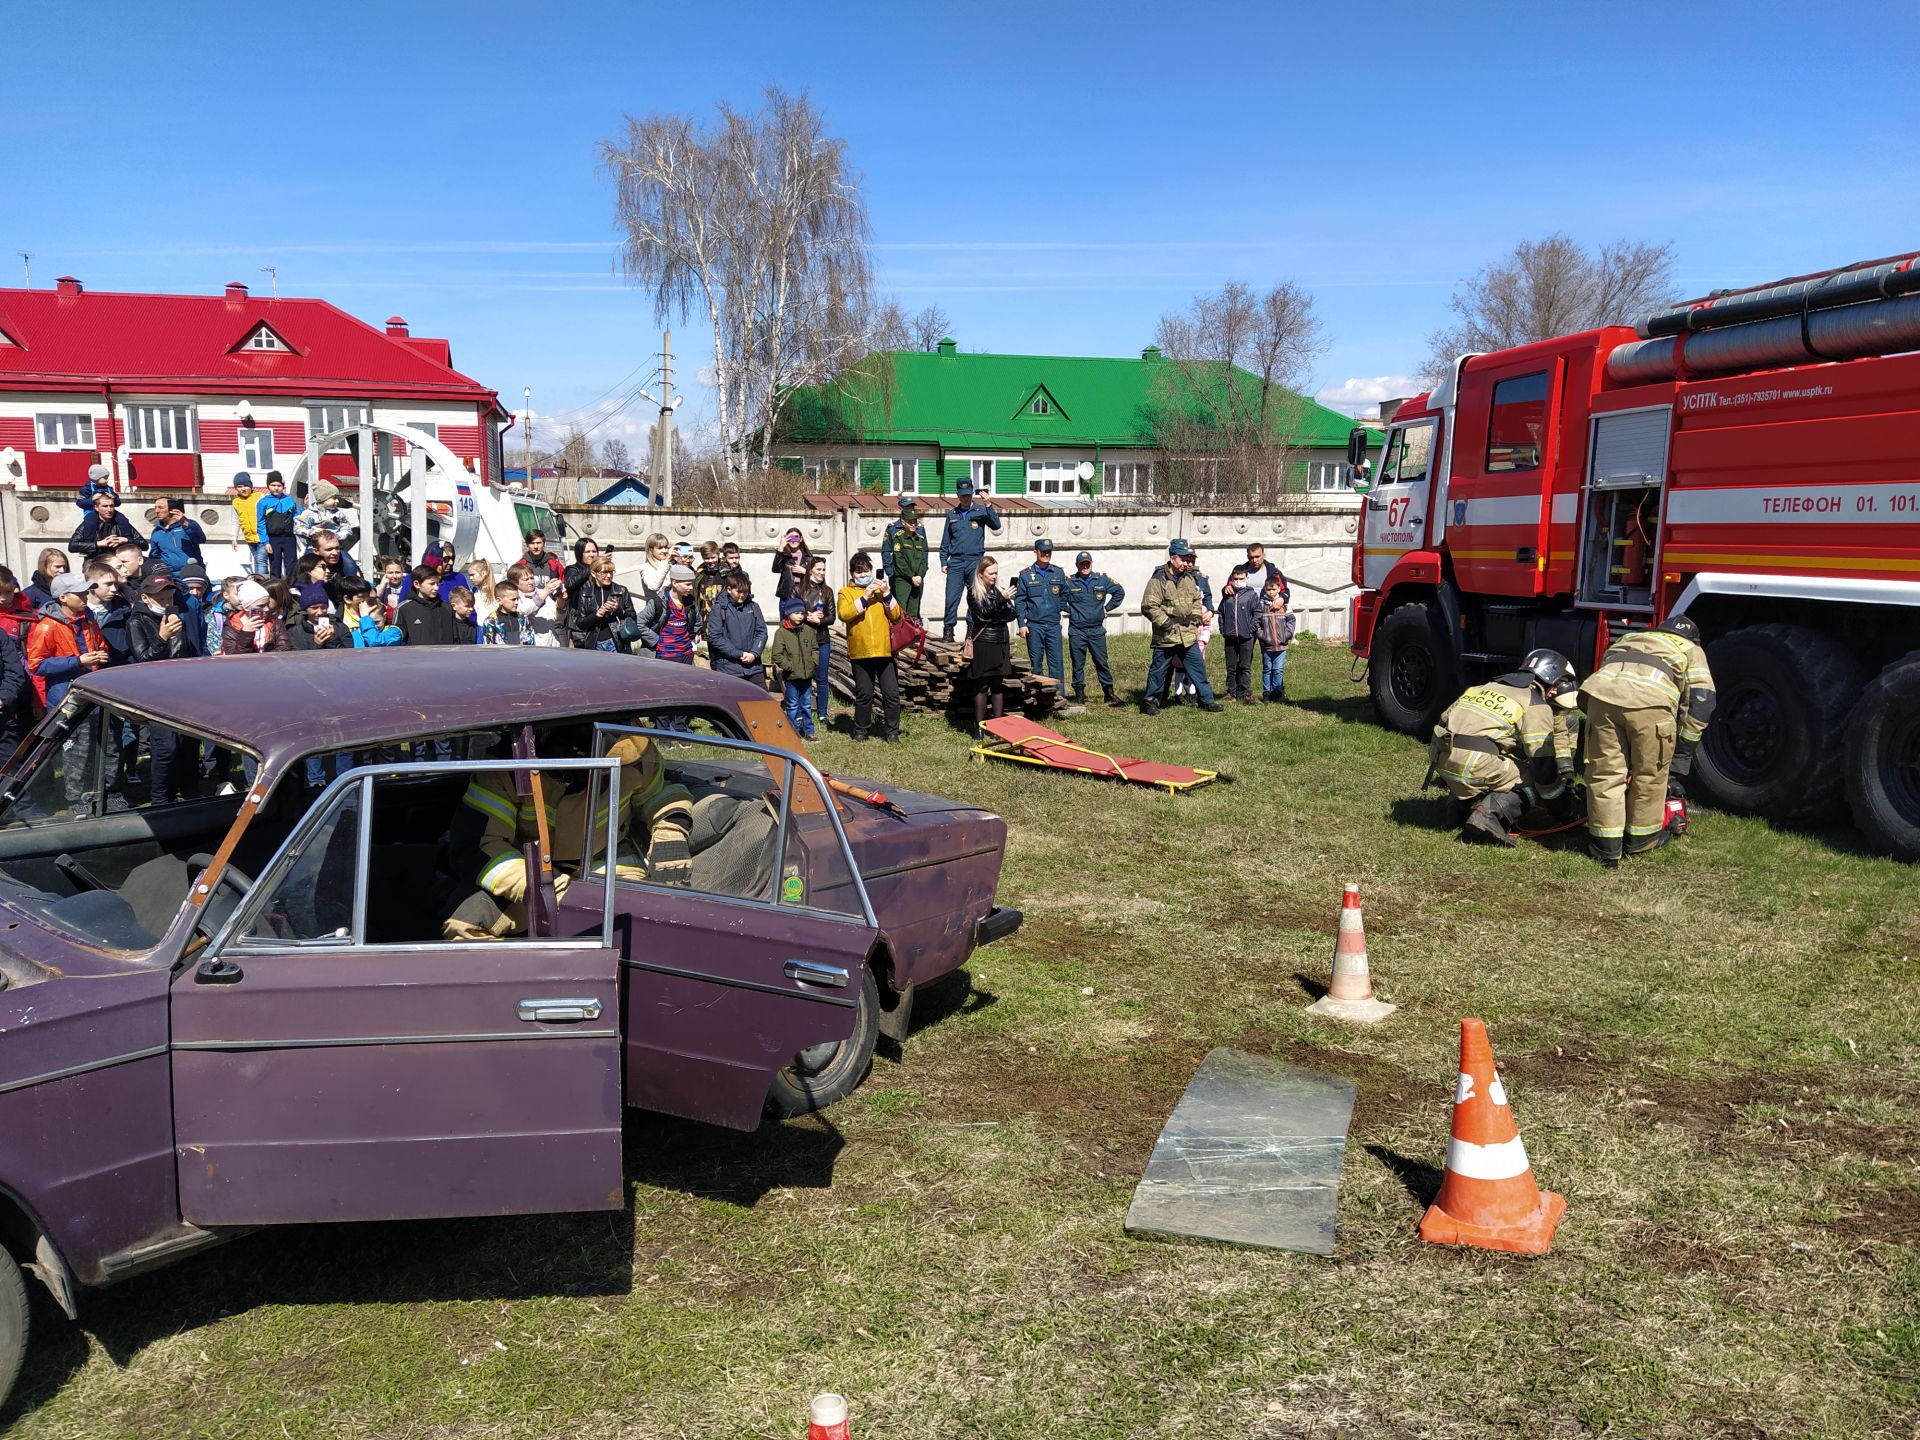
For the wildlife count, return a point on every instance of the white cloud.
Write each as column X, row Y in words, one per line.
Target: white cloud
column 1358, row 392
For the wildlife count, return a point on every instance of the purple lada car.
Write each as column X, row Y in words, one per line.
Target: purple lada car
column 295, row 1002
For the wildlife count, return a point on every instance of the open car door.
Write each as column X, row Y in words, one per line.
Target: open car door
column 748, row 967
column 337, row 1057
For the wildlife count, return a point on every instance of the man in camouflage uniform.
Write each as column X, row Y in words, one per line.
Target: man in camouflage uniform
column 903, row 556
column 1503, row 745
column 1647, row 706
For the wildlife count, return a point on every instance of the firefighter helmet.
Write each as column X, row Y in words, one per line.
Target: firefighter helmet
column 1682, row 625
column 1553, row 671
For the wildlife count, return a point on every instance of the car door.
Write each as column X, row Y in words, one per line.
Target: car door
column 1396, row 509
column 334, row 1057
column 757, row 957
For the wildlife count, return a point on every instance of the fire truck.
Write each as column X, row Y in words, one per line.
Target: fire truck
column 1750, row 459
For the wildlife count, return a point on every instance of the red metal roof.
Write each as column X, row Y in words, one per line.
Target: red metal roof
column 69, row 337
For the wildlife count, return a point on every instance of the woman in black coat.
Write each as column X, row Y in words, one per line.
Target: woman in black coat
column 598, row 610
column 790, row 564
column 989, row 647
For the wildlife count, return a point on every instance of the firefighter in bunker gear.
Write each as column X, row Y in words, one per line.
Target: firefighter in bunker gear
column 1503, row 745
column 1647, row 706
column 650, row 807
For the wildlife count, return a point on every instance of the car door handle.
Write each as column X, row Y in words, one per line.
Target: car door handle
column 565, row 1008
column 808, row 973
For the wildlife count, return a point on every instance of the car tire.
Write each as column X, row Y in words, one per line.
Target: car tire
column 14, row 1316
column 1411, row 672
column 816, row 1078
column 1883, row 760
column 1777, row 743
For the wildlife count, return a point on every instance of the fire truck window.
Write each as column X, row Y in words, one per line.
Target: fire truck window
column 1409, row 456
column 1519, row 423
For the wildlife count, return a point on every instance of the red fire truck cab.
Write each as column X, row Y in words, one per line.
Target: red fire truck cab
column 1560, row 493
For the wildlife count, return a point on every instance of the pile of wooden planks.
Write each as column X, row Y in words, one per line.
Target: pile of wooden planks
column 938, row 681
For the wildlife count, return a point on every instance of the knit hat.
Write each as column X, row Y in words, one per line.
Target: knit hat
column 312, row 595
column 96, row 473
column 243, row 478
column 69, row 585
column 680, row 572
column 250, row 594
column 792, row 605
column 325, row 490
column 194, row 570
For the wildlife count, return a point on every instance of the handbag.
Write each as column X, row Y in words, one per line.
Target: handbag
column 627, row 631
column 908, row 632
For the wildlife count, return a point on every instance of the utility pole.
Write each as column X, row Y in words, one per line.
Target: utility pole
column 526, row 440
column 660, row 464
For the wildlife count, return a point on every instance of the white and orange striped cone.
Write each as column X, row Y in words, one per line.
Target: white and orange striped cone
column 827, row 1417
column 1350, row 996
column 1488, row 1198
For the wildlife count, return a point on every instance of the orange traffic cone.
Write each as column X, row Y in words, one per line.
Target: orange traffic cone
column 1488, row 1198
column 827, row 1417
column 1350, row 996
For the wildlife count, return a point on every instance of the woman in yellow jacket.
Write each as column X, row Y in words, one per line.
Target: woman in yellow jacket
column 868, row 610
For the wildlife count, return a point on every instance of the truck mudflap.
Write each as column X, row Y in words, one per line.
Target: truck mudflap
column 1000, row 922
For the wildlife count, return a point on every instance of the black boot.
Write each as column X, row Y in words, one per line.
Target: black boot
column 1492, row 820
column 1606, row 850
column 1644, row 844
column 1111, row 697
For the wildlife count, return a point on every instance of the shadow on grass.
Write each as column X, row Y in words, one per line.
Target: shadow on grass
column 1348, row 709
column 1316, row 989
column 1421, row 1179
column 1428, row 810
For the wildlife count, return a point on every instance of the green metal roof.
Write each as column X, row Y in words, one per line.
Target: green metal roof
column 916, row 397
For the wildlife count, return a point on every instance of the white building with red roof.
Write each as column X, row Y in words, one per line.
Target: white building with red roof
column 182, row 392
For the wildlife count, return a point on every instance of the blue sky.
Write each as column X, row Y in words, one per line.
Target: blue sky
column 1054, row 176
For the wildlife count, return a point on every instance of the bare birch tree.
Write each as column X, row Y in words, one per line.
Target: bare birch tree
column 1224, row 405
column 929, row 327
column 1544, row 288
column 755, row 222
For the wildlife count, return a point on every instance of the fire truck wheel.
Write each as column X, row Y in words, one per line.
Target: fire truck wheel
column 13, row 1322
column 1412, row 674
column 1883, row 759
column 1777, row 741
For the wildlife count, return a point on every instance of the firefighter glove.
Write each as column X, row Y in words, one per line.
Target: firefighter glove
column 1683, row 758
column 1676, row 788
column 669, row 860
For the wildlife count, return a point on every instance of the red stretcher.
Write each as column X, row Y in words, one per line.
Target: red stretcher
column 1025, row 743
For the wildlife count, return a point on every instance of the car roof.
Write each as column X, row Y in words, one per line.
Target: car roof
column 296, row 703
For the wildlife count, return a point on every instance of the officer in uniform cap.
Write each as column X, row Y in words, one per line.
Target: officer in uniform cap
column 963, row 541
column 1037, row 604
column 1647, row 706
column 903, row 556
column 1507, row 743
column 1089, row 597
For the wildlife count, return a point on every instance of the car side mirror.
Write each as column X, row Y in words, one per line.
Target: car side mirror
column 1357, row 446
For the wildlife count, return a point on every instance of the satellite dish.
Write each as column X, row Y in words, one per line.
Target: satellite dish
column 1084, row 469
column 243, row 409
column 9, row 456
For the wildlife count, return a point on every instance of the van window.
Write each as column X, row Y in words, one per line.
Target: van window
column 1517, row 428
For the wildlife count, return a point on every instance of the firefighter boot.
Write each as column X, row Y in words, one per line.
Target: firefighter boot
column 1644, row 844
column 1493, row 819
column 1605, row 849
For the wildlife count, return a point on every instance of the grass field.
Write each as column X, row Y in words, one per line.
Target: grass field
column 1712, row 1053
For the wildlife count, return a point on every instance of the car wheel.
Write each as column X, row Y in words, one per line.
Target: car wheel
column 1777, row 738
column 13, row 1323
column 1883, row 760
column 822, row 1074
column 1412, row 674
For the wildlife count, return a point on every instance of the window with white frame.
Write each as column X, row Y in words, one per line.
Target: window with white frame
column 256, row 448
column 67, row 430
column 1328, row 475
column 326, row 417
column 1052, row 477
column 981, row 473
column 264, row 339
column 904, row 477
column 1129, row 479
column 1041, row 405
column 166, row 428
column 425, row 427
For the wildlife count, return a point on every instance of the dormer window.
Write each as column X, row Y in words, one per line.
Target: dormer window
column 263, row 338
column 1040, row 406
